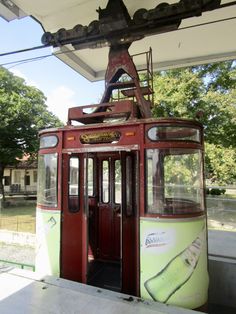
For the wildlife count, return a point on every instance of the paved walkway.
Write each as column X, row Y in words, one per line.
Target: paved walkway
column 17, row 253
column 24, row 293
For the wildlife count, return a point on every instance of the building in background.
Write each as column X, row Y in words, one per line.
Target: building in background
column 21, row 179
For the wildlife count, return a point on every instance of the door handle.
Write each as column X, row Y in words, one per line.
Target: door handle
column 116, row 209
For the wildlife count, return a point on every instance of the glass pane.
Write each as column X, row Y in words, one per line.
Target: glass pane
column 117, row 182
column 90, row 177
column 74, row 176
column 129, row 203
column 160, row 133
column 154, row 178
column 73, row 185
column 105, row 181
column 47, row 180
column 48, row 141
column 174, row 181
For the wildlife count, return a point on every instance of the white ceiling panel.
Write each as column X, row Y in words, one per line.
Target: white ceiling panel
column 203, row 39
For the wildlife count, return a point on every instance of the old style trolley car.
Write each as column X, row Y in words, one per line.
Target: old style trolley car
column 121, row 198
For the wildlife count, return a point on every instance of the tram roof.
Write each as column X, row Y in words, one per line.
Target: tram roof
column 182, row 122
column 198, row 40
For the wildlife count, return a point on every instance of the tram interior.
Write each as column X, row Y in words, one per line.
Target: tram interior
column 104, row 222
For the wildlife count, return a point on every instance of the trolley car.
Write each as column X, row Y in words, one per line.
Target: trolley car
column 121, row 199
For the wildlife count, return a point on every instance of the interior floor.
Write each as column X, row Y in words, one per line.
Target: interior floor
column 105, row 275
column 220, row 309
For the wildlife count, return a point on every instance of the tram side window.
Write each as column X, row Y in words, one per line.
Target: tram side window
column 174, row 181
column 47, row 180
column 117, row 182
column 129, row 186
column 105, row 181
column 74, row 184
column 90, row 177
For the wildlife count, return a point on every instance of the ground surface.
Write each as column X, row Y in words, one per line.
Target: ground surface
column 20, row 216
column 16, row 254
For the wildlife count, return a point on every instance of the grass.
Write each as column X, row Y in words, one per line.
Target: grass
column 19, row 217
column 233, row 196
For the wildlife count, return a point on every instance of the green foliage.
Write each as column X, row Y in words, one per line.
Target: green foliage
column 182, row 173
column 176, row 93
column 206, row 93
column 23, row 113
column 181, row 169
column 220, row 164
column 215, row 191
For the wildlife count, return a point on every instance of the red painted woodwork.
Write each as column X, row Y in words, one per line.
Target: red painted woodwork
column 97, row 231
column 109, row 216
column 106, row 240
column 93, row 228
column 130, row 239
column 73, row 234
column 107, row 231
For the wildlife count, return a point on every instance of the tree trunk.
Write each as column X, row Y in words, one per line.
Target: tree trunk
column 1, row 181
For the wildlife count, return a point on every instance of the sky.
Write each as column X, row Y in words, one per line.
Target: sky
column 63, row 87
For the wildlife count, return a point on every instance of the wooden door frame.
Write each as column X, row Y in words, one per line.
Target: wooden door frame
column 74, row 226
column 110, row 205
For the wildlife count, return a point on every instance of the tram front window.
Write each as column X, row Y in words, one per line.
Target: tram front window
column 174, row 181
column 47, row 180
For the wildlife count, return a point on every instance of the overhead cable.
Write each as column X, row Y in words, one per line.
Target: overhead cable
column 18, row 62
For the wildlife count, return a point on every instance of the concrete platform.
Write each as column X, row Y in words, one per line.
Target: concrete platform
column 222, row 269
column 222, row 243
column 24, row 292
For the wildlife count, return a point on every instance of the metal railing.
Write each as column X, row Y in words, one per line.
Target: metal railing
column 19, row 265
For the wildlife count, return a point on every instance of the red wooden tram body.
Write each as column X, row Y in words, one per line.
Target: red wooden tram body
column 121, row 198
column 104, row 181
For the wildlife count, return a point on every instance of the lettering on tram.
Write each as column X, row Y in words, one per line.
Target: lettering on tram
column 126, row 193
column 101, row 137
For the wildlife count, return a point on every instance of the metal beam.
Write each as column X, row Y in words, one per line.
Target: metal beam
column 9, row 11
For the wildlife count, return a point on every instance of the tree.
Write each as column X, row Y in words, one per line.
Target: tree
column 23, row 113
column 220, row 164
column 206, row 93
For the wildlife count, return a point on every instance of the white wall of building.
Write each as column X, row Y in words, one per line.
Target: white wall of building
column 25, row 179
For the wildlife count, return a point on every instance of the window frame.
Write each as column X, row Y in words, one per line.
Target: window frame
column 161, row 210
column 48, row 146
column 174, row 139
column 73, row 199
column 108, row 182
column 55, row 204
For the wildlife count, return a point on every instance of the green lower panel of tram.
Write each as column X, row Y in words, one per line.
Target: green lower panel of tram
column 48, row 242
column 174, row 261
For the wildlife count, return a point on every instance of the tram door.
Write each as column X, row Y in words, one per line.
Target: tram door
column 109, row 203
column 99, row 227
column 111, row 221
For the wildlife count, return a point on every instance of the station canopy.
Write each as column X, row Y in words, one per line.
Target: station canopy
column 206, row 38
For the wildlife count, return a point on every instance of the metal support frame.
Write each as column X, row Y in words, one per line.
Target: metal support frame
column 132, row 104
column 115, row 26
column 120, row 62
